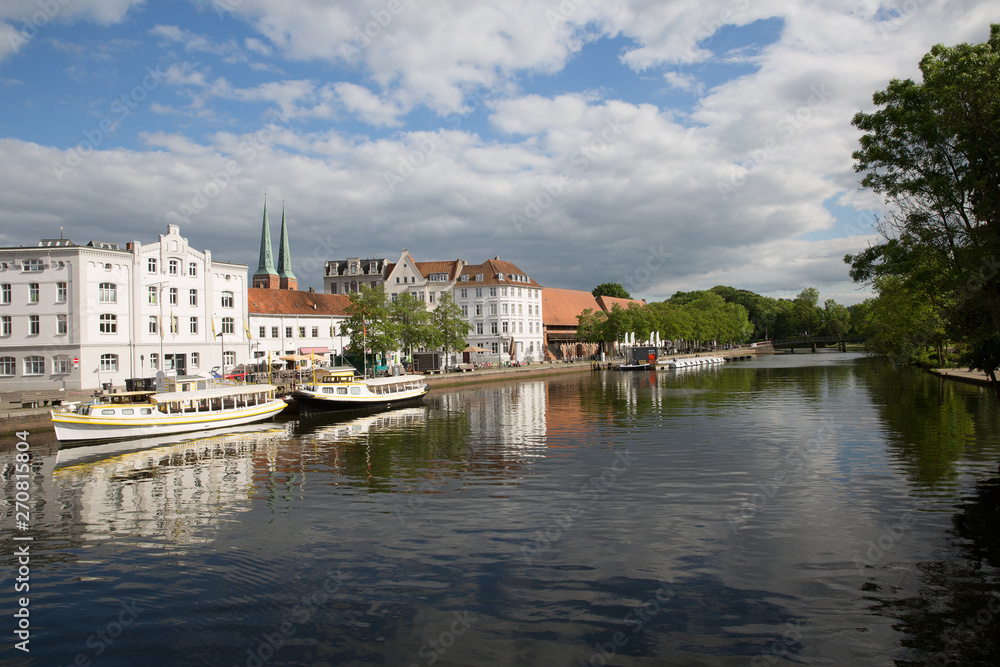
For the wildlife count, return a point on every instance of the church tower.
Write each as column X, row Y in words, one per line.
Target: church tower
column 266, row 276
column 286, row 279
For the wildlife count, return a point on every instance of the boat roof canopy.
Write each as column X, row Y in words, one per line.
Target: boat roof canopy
column 200, row 394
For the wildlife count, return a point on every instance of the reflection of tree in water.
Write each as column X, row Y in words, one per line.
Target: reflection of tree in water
column 932, row 423
column 954, row 618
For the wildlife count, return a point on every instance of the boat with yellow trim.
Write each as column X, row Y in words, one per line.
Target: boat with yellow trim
column 341, row 388
column 134, row 414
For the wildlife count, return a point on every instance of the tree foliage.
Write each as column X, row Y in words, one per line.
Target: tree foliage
column 368, row 324
column 447, row 326
column 611, row 289
column 932, row 149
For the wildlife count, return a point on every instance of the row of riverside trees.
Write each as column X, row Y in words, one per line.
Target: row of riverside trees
column 722, row 314
column 377, row 324
column 932, row 150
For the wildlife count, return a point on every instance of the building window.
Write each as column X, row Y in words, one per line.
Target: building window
column 62, row 325
column 228, row 325
column 153, row 324
column 520, row 309
column 479, row 292
column 8, row 366
column 465, row 277
column 479, row 328
column 503, row 290
column 109, row 323
column 479, row 277
column 32, row 265
column 302, row 332
column 395, row 295
column 315, row 332
column 195, row 358
column 151, row 265
column 464, row 293
column 151, row 290
column 493, row 327
column 193, row 326
column 5, row 293
column 173, row 296
column 6, row 325
column 493, row 291
column 34, row 325
column 494, row 346
column 505, row 309
column 262, row 333
column 228, row 358
column 109, row 362
column 430, row 296
column 154, row 361
column 274, row 332
column 493, row 309
column 193, row 297
column 173, row 267
column 192, row 269
column 465, row 311
column 504, row 327
column 479, row 309
column 288, row 332
column 520, row 327
column 107, row 293
column 32, row 292
column 34, row 365
column 397, row 280
column 406, row 279
column 61, row 292
column 61, row 365
column 333, row 288
column 227, row 300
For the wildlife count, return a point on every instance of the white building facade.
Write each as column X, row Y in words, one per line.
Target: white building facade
column 288, row 322
column 76, row 317
column 504, row 306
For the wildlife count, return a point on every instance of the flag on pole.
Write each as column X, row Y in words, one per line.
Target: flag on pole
column 246, row 327
column 161, row 328
column 213, row 327
column 173, row 324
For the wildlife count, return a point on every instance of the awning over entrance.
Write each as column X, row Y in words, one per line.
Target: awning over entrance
column 314, row 350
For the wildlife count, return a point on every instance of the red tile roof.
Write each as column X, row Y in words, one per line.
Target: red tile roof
column 295, row 302
column 490, row 269
column 449, row 267
column 561, row 306
column 608, row 302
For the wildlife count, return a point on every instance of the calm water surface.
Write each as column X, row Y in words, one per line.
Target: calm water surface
column 809, row 509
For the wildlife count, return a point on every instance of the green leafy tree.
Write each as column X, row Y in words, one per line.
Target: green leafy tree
column 932, row 149
column 611, row 289
column 449, row 329
column 836, row 319
column 592, row 326
column 412, row 322
column 368, row 324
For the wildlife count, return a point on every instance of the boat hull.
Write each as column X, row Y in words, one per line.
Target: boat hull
column 70, row 427
column 311, row 403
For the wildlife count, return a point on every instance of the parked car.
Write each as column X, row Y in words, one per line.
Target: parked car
column 240, row 372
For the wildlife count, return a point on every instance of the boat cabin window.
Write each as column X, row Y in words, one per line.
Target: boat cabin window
column 355, row 391
column 145, row 411
column 107, row 412
column 342, row 390
column 128, row 411
column 328, row 390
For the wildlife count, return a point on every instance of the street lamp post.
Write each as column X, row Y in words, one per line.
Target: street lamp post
column 499, row 350
column 222, row 360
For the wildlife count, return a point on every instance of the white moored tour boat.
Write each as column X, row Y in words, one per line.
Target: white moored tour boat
column 695, row 362
column 135, row 414
column 341, row 389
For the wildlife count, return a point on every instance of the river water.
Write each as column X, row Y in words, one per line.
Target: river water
column 821, row 509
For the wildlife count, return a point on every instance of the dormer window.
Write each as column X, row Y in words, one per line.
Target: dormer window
column 479, row 277
column 465, row 277
column 499, row 276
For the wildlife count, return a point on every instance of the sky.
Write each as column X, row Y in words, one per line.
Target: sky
column 666, row 146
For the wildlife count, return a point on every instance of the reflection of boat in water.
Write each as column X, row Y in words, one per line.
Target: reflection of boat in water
column 341, row 389
column 136, row 414
column 363, row 425
column 695, row 362
column 142, row 448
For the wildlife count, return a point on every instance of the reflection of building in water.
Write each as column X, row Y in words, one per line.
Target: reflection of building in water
column 166, row 491
column 368, row 423
column 512, row 415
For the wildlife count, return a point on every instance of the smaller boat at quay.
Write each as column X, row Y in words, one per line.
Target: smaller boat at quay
column 341, row 388
column 199, row 404
column 695, row 362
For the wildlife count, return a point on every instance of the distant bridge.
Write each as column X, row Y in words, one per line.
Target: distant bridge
column 813, row 341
